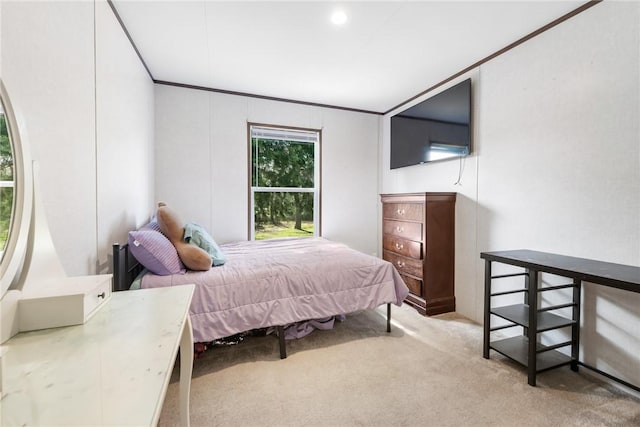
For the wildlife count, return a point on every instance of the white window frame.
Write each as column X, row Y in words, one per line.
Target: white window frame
column 283, row 131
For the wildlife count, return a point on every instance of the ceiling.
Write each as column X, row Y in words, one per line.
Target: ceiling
column 386, row 53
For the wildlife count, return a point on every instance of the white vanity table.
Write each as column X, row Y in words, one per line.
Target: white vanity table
column 112, row 370
column 72, row 354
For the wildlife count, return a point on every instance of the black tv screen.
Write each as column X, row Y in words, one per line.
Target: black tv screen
column 438, row 128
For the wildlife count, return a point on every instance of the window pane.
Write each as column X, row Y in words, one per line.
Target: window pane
column 280, row 163
column 6, row 204
column 283, row 215
column 6, row 182
column 6, row 155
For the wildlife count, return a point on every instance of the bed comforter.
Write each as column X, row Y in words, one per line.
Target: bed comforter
column 283, row 281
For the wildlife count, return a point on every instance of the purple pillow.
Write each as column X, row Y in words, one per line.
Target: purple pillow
column 155, row 252
column 151, row 225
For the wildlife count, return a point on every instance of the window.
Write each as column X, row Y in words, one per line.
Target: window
column 285, row 182
column 6, row 182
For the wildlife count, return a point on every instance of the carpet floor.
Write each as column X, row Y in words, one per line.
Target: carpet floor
column 429, row 371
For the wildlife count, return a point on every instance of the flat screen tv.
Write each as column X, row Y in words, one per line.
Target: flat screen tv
column 438, row 128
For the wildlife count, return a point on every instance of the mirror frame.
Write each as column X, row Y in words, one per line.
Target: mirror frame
column 15, row 249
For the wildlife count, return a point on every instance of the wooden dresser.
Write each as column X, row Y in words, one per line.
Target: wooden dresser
column 418, row 235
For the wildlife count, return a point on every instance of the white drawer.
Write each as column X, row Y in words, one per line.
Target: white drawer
column 62, row 302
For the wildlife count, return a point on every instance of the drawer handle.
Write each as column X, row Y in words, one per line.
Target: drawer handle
column 102, row 295
column 400, row 211
column 400, row 263
column 399, row 246
column 399, row 229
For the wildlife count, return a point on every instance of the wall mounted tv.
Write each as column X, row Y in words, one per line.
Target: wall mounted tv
column 438, row 128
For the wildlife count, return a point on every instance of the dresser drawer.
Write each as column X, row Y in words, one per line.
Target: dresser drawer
column 403, row 211
column 404, row 247
column 414, row 285
column 408, row 230
column 403, row 264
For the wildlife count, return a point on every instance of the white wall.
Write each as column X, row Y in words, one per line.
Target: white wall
column 81, row 104
column 48, row 69
column 125, row 138
column 202, row 161
column 560, row 162
column 556, row 168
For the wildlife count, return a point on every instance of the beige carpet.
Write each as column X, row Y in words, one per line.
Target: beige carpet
column 428, row 372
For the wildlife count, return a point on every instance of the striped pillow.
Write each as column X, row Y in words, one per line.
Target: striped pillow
column 151, row 225
column 155, row 252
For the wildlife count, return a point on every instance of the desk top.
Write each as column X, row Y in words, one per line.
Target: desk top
column 619, row 276
column 112, row 370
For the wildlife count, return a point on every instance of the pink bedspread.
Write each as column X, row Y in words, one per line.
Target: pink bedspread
column 282, row 281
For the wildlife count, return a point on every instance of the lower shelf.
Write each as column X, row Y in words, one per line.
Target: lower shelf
column 517, row 349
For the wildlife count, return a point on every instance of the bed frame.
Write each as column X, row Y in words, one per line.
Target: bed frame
column 126, row 268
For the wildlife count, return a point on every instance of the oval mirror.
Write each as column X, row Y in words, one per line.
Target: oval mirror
column 15, row 195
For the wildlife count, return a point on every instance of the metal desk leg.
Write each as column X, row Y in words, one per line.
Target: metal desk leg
column 487, row 309
column 532, row 332
column 575, row 329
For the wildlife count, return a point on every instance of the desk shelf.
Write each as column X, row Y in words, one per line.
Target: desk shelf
column 526, row 349
column 519, row 314
column 517, row 349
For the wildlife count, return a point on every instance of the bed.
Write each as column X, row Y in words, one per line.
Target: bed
column 274, row 283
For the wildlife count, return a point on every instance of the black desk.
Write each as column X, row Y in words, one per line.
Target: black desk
column 525, row 349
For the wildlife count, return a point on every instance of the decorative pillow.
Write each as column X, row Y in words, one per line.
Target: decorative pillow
column 151, row 225
column 155, row 252
column 196, row 234
column 171, row 226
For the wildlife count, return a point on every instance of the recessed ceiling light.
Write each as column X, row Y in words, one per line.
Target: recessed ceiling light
column 339, row 17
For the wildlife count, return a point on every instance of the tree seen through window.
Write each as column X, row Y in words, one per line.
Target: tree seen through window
column 6, row 182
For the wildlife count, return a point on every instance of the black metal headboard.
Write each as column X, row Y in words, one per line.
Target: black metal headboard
column 125, row 267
